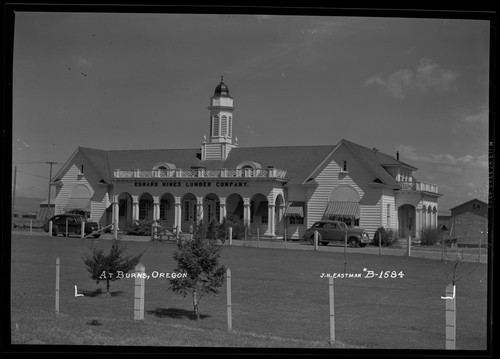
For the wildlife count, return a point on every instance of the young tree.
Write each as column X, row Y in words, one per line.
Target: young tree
column 106, row 267
column 199, row 259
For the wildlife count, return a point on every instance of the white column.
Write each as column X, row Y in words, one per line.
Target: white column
column 246, row 211
column 280, row 219
column 156, row 208
column 135, row 208
column 270, row 221
column 199, row 209
column 418, row 222
column 223, row 212
column 177, row 213
column 115, row 211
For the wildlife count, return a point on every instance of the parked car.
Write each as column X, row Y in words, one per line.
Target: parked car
column 335, row 231
column 74, row 225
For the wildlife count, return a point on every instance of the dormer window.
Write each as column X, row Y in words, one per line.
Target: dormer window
column 164, row 166
column 344, row 166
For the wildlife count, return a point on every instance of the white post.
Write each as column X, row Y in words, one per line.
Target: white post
column 379, row 243
column 230, row 236
column 57, row 284
column 450, row 317
column 66, row 227
column 50, row 228
column 332, row 311
column 258, row 239
column 31, row 228
column 82, row 234
column 228, row 298
column 285, row 237
column 139, row 292
column 408, row 253
column 316, row 240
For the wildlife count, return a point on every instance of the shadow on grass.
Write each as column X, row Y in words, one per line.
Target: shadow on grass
column 175, row 313
column 99, row 292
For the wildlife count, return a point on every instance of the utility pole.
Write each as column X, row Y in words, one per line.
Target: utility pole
column 50, row 180
column 13, row 199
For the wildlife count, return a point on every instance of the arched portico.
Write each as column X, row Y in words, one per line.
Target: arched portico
column 125, row 209
column 407, row 220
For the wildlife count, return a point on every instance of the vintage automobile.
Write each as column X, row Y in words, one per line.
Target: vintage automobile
column 73, row 223
column 335, row 231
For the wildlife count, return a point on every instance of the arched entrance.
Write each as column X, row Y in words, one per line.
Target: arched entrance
column 124, row 210
column 167, row 211
column 279, row 216
column 189, row 212
column 211, row 208
column 234, row 208
column 406, row 220
column 145, row 207
column 259, row 213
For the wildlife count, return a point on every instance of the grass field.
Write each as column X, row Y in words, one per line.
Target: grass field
column 279, row 300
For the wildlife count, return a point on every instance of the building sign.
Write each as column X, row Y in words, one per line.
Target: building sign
column 191, row 184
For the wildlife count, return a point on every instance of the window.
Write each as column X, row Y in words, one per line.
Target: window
column 163, row 209
column 295, row 220
column 223, row 126
column 229, row 127
column 264, row 219
column 186, row 211
column 388, row 215
column 121, row 207
column 215, row 131
column 143, row 209
column 344, row 166
column 217, row 210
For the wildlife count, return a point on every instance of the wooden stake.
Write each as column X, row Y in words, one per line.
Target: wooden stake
column 57, row 285
column 332, row 311
column 228, row 299
column 139, row 292
column 450, row 303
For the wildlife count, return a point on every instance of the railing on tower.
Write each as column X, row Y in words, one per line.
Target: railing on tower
column 418, row 186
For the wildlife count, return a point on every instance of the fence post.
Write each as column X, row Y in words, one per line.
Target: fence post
column 50, row 228
column 316, row 237
column 408, row 253
column 228, row 298
column 57, row 284
column 379, row 243
column 139, row 292
column 82, row 232
column 285, row 237
column 66, row 227
column 332, row 311
column 230, row 236
column 31, row 228
column 258, row 237
column 450, row 317
column 246, row 232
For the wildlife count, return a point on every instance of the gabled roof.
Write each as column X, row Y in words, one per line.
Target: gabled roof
column 300, row 162
column 465, row 203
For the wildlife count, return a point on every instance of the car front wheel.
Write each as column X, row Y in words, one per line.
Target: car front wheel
column 353, row 242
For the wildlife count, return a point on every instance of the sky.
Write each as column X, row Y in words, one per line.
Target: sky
column 143, row 81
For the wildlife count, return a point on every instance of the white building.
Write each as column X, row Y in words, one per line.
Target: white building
column 271, row 188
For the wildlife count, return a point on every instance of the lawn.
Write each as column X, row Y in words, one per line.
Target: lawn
column 279, row 300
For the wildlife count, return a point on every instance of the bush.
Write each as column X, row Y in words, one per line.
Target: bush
column 141, row 228
column 389, row 236
column 430, row 236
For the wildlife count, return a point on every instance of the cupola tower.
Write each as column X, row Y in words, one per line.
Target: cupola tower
column 220, row 139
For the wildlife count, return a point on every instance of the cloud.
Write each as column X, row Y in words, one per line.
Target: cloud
column 446, row 160
column 84, row 62
column 427, row 77
column 481, row 115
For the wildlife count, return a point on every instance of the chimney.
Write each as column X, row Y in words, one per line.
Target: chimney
column 397, row 155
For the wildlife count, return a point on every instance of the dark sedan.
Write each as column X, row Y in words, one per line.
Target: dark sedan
column 67, row 224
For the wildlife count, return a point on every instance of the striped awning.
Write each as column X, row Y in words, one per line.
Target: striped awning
column 295, row 209
column 78, row 203
column 347, row 209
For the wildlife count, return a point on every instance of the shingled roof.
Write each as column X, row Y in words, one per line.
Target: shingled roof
column 298, row 161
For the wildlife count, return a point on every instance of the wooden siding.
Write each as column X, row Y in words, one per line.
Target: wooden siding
column 73, row 178
column 357, row 177
column 388, row 199
column 213, row 151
